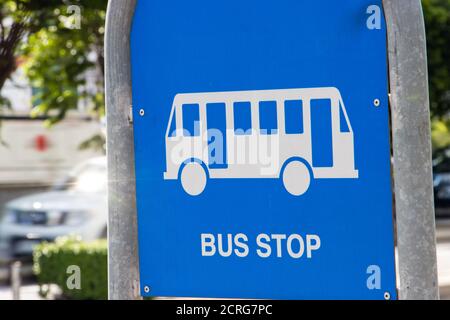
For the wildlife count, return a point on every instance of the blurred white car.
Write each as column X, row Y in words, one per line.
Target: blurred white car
column 76, row 206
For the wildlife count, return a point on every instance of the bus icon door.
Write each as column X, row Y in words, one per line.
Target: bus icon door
column 321, row 133
column 217, row 135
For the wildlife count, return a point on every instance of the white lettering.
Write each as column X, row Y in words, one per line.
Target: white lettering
column 208, row 241
column 295, row 245
column 312, row 244
column 229, row 245
column 241, row 242
column 301, row 250
column 263, row 246
column 278, row 238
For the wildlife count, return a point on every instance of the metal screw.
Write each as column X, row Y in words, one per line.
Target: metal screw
column 146, row 289
column 141, row 112
column 376, row 102
column 387, row 296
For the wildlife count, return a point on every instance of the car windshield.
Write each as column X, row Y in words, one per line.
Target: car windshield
column 441, row 161
column 90, row 178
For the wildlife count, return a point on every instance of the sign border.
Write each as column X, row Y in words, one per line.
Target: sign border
column 411, row 142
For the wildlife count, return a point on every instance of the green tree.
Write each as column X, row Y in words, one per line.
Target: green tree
column 58, row 58
column 17, row 19
column 437, row 20
column 43, row 31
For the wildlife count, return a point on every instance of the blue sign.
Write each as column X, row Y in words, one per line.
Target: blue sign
column 262, row 149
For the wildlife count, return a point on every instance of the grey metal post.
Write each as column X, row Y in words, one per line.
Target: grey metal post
column 412, row 150
column 16, row 282
column 123, row 263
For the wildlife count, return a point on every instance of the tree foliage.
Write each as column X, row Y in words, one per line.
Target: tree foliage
column 437, row 20
column 16, row 21
column 58, row 58
column 56, row 54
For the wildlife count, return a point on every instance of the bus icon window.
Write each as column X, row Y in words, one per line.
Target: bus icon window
column 308, row 129
column 268, row 117
column 242, row 118
column 191, row 117
column 293, row 113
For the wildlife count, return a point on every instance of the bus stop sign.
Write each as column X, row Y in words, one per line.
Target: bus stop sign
column 262, row 149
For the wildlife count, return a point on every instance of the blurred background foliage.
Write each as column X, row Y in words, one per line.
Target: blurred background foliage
column 57, row 60
column 51, row 260
column 437, row 18
column 437, row 23
column 57, row 46
column 57, row 56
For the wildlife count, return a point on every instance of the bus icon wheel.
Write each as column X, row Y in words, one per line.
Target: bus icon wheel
column 193, row 178
column 296, row 177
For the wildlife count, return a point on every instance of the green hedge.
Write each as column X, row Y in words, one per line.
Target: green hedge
column 51, row 261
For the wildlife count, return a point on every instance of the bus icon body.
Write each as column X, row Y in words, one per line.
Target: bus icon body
column 304, row 133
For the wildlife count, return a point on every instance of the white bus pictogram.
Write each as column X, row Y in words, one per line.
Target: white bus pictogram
column 220, row 135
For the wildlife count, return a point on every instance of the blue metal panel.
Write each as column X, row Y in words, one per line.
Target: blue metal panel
column 188, row 47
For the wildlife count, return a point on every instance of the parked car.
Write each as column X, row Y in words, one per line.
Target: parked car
column 75, row 206
column 441, row 181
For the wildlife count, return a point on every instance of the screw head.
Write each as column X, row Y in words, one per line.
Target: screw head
column 146, row 289
column 387, row 296
column 376, row 102
column 142, row 112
